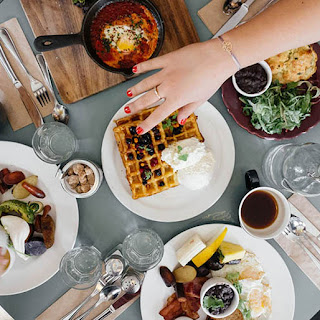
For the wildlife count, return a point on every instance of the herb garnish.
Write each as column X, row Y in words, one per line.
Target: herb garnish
column 170, row 123
column 244, row 310
column 233, row 277
column 281, row 107
column 183, row 157
column 212, row 302
column 179, row 149
column 144, row 148
column 148, row 174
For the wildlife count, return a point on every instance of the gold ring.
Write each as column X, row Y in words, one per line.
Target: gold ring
column 155, row 90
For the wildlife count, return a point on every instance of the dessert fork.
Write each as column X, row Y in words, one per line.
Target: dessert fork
column 38, row 89
column 296, row 239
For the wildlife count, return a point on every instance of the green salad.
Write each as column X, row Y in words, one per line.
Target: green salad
column 281, row 107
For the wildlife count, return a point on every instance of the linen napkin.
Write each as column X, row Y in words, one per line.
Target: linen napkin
column 9, row 96
column 294, row 251
column 4, row 315
column 213, row 17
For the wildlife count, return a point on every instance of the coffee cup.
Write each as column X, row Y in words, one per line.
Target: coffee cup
column 265, row 218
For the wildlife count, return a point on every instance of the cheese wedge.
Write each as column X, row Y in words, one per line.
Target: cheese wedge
column 231, row 251
column 190, row 249
column 207, row 253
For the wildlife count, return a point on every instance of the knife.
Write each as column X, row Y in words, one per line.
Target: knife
column 310, row 227
column 235, row 19
column 119, row 303
column 30, row 105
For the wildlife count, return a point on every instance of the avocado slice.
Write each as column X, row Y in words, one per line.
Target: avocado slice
column 17, row 206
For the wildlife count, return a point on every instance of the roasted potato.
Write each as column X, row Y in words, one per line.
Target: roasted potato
column 185, row 274
column 19, row 192
column 48, row 229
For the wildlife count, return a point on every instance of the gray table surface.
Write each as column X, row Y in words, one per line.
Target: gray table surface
column 104, row 222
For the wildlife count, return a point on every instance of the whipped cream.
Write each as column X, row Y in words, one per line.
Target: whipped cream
column 193, row 161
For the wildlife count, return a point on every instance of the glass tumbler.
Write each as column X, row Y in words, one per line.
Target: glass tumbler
column 81, row 267
column 143, row 249
column 54, row 142
column 294, row 168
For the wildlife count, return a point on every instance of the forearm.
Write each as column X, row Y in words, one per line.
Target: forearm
column 287, row 24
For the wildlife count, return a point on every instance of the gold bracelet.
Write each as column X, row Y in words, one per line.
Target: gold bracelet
column 227, row 46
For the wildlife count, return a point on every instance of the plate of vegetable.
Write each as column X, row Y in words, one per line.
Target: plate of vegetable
column 284, row 111
column 38, row 220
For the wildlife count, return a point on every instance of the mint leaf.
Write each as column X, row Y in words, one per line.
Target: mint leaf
column 174, row 116
column 183, row 157
column 148, row 174
column 212, row 302
column 179, row 149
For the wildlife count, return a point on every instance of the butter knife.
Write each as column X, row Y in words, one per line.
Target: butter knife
column 310, row 227
column 30, row 105
column 235, row 19
column 118, row 304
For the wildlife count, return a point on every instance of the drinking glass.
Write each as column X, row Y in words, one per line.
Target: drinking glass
column 143, row 249
column 294, row 168
column 81, row 267
column 54, row 142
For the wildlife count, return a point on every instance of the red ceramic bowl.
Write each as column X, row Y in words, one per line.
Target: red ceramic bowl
column 231, row 100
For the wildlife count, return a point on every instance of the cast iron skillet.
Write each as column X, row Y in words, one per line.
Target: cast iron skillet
column 52, row 42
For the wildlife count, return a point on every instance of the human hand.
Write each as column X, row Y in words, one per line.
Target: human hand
column 188, row 77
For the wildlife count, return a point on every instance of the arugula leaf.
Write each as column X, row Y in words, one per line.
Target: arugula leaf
column 212, row 302
column 281, row 107
column 179, row 149
column 183, row 157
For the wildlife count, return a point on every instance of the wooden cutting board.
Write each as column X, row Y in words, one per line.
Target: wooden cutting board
column 76, row 76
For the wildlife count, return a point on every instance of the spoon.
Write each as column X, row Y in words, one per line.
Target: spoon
column 60, row 112
column 298, row 228
column 114, row 268
column 108, row 293
column 131, row 282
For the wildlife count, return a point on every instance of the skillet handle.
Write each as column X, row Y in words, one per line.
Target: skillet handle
column 48, row 43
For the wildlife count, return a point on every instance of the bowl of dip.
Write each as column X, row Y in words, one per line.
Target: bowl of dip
column 254, row 80
column 218, row 298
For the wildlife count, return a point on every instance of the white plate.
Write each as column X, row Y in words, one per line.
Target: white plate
column 177, row 203
column 26, row 275
column 154, row 292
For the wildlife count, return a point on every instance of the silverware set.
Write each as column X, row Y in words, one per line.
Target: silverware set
column 115, row 269
column 296, row 231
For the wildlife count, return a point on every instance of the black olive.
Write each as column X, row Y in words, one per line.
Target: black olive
column 158, row 172
column 133, row 130
column 139, row 156
column 202, row 271
column 161, row 184
column 130, row 156
column 161, row 147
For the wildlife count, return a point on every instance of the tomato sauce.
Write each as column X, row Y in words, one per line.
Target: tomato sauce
column 124, row 33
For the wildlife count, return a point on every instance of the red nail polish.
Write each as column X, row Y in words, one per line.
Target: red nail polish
column 129, row 93
column 183, row 122
column 139, row 130
column 127, row 109
column 134, row 69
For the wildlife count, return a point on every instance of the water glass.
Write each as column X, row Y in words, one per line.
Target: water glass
column 294, row 168
column 143, row 249
column 54, row 142
column 81, row 267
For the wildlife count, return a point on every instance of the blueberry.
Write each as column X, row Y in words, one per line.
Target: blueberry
column 161, row 147
column 130, row 156
column 144, row 182
column 151, row 152
column 177, row 130
column 157, row 137
column 161, row 184
column 158, row 172
column 139, row 156
column 133, row 130
column 145, row 139
column 128, row 140
column 154, row 129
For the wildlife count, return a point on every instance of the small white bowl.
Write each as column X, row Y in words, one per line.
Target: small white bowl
column 218, row 281
column 282, row 220
column 98, row 175
column 267, row 68
column 12, row 260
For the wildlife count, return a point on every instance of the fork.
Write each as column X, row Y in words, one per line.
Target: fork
column 294, row 238
column 38, row 89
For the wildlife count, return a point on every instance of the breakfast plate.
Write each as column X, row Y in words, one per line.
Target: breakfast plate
column 234, row 106
column 154, row 293
column 26, row 275
column 179, row 203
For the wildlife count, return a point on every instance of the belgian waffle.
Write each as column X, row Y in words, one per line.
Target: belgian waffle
column 141, row 155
